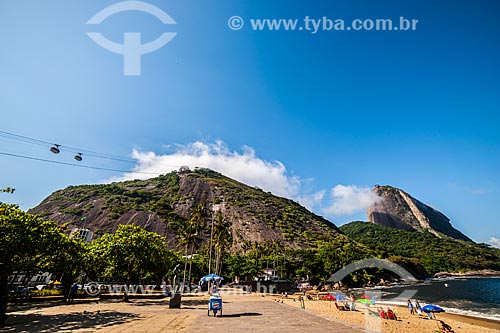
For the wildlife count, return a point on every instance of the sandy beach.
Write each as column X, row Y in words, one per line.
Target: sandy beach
column 405, row 323
column 242, row 313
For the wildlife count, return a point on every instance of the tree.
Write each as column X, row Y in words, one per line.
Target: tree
column 221, row 240
column 132, row 254
column 8, row 190
column 26, row 242
column 190, row 236
column 66, row 259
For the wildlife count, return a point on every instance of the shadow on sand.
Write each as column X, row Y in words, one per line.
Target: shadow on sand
column 244, row 314
column 35, row 322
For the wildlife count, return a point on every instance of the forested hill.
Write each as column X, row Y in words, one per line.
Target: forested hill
column 434, row 253
column 164, row 204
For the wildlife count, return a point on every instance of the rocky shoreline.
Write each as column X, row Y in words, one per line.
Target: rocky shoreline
column 469, row 274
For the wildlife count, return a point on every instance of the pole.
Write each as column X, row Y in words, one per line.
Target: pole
column 211, row 238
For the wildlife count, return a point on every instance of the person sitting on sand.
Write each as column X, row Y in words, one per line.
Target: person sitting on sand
column 382, row 313
column 391, row 315
column 444, row 327
column 340, row 307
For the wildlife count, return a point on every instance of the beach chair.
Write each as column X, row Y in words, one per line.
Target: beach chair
column 391, row 315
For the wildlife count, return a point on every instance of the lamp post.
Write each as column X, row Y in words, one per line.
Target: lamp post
column 215, row 209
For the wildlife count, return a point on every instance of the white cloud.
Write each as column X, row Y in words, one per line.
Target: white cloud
column 495, row 242
column 243, row 166
column 350, row 199
column 248, row 168
column 480, row 191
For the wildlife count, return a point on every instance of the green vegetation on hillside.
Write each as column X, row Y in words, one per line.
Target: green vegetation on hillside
column 163, row 194
column 433, row 253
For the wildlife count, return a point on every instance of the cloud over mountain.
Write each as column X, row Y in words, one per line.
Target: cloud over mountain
column 246, row 167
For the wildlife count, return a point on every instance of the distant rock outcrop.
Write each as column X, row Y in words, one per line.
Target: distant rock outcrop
column 400, row 210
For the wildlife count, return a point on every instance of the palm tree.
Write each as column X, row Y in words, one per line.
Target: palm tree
column 187, row 236
column 196, row 225
column 221, row 240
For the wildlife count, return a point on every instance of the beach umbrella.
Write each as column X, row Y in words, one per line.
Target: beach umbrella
column 329, row 297
column 366, row 301
column 210, row 277
column 340, row 298
column 432, row 308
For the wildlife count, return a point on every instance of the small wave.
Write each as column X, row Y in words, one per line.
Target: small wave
column 472, row 313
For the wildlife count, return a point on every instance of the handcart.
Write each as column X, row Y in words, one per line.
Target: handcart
column 215, row 305
column 215, row 301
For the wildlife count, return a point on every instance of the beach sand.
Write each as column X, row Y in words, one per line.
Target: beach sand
column 242, row 312
column 405, row 323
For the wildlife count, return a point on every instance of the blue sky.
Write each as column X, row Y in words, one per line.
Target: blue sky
column 414, row 109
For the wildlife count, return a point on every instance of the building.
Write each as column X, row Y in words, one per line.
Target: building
column 84, row 234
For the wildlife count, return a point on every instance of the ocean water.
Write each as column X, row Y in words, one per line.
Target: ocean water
column 478, row 297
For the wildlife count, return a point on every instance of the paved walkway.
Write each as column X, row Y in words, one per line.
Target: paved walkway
column 241, row 313
column 266, row 316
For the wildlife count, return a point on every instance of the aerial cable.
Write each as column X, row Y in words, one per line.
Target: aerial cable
column 77, row 165
column 57, row 148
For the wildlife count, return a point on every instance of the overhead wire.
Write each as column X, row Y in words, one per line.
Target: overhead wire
column 76, row 165
column 26, row 139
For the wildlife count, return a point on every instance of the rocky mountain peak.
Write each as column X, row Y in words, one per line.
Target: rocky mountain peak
column 400, row 210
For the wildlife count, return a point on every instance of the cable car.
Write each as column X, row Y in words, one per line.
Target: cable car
column 55, row 149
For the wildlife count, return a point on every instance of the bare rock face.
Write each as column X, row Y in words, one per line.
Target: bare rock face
column 164, row 204
column 399, row 210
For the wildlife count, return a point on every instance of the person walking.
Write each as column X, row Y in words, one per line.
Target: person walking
column 410, row 307
column 72, row 292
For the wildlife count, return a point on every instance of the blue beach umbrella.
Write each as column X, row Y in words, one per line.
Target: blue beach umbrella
column 210, row 277
column 431, row 308
column 340, row 298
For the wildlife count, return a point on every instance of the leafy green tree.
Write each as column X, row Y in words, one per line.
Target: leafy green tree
column 65, row 259
column 132, row 254
column 243, row 266
column 26, row 242
column 8, row 190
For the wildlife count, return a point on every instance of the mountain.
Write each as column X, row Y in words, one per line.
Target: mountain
column 163, row 204
column 424, row 249
column 398, row 209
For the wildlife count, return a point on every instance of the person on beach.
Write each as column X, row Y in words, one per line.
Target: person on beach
column 353, row 303
column 382, row 313
column 391, row 315
column 410, row 307
column 418, row 308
